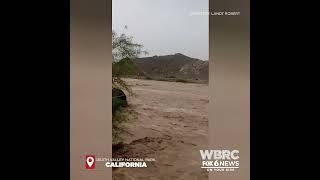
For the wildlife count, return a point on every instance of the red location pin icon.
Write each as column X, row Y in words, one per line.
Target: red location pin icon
column 90, row 161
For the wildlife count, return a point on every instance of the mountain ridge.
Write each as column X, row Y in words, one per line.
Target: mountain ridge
column 167, row 67
column 176, row 66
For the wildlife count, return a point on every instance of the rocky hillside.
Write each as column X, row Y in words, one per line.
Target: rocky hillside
column 173, row 66
column 169, row 67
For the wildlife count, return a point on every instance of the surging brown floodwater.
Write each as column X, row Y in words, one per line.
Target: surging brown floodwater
column 171, row 126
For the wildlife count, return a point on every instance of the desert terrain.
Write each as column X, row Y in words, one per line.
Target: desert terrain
column 169, row 123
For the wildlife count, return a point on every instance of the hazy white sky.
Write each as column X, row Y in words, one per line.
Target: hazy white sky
column 164, row 26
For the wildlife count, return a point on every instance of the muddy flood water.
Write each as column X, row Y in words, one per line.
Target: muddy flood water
column 170, row 124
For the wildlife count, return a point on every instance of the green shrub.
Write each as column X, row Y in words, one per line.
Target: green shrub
column 119, row 101
column 118, row 118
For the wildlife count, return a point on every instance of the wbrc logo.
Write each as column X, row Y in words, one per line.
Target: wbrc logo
column 90, row 161
column 220, row 160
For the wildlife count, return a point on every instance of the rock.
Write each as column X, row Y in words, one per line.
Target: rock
column 119, row 99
